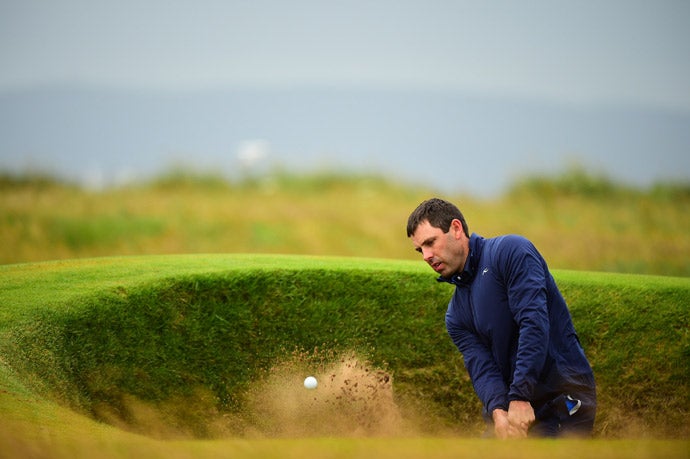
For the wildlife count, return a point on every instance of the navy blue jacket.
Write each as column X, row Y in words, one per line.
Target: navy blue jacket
column 512, row 326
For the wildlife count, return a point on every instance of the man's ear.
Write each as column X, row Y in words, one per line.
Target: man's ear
column 456, row 227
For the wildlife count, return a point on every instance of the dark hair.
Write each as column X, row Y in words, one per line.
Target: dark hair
column 438, row 213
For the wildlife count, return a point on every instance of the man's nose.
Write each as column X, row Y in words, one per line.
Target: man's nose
column 427, row 255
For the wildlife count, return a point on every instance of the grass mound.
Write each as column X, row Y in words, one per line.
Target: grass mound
column 218, row 346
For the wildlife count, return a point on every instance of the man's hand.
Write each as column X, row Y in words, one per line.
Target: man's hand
column 521, row 416
column 515, row 422
column 502, row 426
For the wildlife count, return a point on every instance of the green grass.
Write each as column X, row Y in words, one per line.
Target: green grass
column 169, row 346
column 106, row 354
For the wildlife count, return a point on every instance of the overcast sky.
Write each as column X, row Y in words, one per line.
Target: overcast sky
column 581, row 52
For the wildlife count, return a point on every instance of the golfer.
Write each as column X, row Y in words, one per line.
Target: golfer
column 512, row 326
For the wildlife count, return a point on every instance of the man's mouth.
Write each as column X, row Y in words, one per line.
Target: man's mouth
column 436, row 266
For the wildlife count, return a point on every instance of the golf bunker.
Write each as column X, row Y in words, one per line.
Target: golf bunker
column 226, row 355
column 195, row 352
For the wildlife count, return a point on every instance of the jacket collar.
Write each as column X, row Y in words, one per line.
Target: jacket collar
column 467, row 274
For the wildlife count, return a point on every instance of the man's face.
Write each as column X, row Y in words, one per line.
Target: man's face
column 444, row 252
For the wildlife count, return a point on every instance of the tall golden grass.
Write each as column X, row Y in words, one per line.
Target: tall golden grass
column 576, row 220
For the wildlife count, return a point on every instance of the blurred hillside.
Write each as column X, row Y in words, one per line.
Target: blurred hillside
column 577, row 220
column 103, row 136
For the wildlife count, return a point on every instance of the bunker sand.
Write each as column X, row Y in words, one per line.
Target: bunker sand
column 353, row 398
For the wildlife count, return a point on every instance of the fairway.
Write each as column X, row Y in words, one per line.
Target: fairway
column 205, row 356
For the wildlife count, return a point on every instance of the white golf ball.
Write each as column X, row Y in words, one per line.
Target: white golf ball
column 310, row 382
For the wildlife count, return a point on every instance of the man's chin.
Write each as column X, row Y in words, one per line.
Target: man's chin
column 444, row 272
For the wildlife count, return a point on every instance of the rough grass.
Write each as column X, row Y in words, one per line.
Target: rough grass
column 204, row 346
column 578, row 221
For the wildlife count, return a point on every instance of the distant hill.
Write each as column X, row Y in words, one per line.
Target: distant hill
column 450, row 141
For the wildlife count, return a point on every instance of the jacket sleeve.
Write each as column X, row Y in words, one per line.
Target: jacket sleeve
column 481, row 366
column 525, row 276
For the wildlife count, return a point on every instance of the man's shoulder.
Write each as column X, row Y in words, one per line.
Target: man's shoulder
column 507, row 242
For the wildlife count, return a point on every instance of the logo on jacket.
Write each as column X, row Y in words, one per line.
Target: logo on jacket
column 486, row 270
